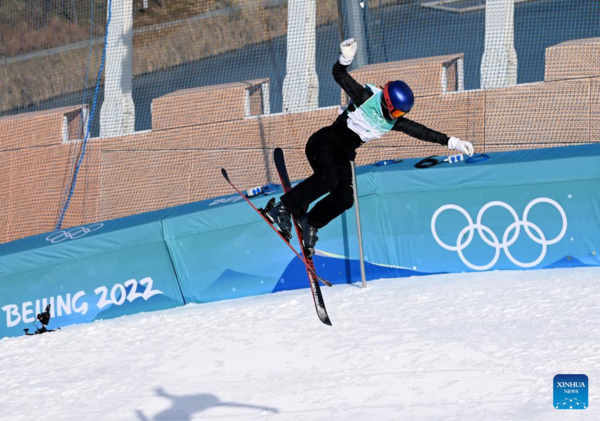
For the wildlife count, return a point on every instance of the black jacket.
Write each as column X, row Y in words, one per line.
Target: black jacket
column 348, row 141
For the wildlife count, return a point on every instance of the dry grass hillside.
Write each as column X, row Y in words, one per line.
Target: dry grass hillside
column 164, row 36
column 30, row 25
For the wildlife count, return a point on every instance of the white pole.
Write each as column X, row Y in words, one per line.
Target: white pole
column 117, row 115
column 363, row 276
column 301, row 84
column 499, row 62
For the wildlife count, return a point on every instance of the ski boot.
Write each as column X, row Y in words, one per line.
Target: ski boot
column 309, row 236
column 279, row 216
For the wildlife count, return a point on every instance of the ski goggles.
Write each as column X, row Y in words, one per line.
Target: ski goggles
column 396, row 113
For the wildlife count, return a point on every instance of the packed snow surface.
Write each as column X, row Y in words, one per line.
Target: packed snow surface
column 476, row 346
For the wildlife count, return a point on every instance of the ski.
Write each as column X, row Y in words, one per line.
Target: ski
column 226, row 176
column 308, row 261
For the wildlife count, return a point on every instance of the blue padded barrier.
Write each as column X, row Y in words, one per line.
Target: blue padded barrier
column 516, row 210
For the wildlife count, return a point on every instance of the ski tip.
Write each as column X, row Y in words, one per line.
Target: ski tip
column 224, row 174
column 278, row 152
column 323, row 316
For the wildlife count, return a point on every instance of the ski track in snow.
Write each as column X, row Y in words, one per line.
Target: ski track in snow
column 476, row 346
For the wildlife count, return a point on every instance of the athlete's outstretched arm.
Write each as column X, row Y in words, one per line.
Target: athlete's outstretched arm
column 419, row 131
column 357, row 93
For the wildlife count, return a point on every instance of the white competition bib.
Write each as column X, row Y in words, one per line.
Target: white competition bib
column 368, row 121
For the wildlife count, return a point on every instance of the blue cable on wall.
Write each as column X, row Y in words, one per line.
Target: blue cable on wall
column 87, row 74
column 90, row 119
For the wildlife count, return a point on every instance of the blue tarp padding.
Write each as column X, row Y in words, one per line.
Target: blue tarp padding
column 516, row 210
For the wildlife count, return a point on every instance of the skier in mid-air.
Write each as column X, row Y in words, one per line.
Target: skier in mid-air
column 371, row 113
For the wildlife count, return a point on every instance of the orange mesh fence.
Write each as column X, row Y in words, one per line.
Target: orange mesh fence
column 112, row 108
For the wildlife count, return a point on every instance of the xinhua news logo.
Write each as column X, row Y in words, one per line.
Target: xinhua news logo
column 570, row 391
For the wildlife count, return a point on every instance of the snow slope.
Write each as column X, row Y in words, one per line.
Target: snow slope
column 477, row 346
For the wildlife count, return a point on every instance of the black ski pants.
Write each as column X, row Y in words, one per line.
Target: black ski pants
column 332, row 174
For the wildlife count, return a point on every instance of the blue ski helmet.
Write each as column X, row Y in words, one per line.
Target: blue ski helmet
column 398, row 97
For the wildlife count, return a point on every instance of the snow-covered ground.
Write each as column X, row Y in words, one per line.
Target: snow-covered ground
column 478, row 346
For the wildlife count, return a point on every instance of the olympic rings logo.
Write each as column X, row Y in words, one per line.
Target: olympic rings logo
column 73, row 233
column 533, row 231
